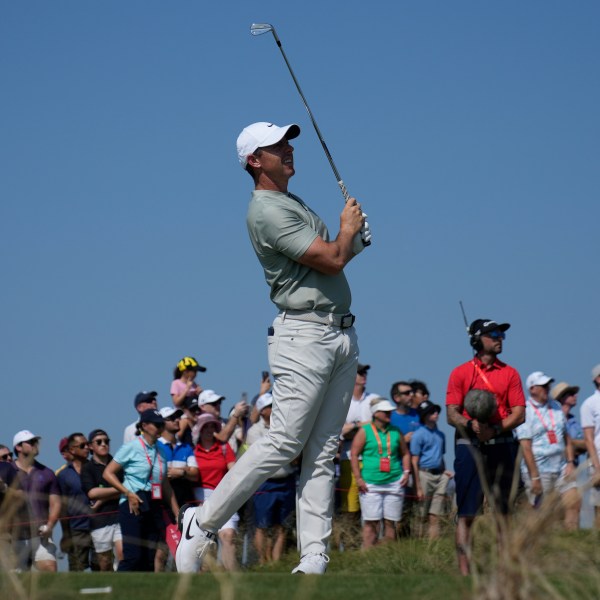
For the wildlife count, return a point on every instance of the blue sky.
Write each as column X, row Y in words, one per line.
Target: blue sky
column 468, row 130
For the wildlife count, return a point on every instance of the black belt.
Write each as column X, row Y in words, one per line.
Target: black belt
column 492, row 442
column 432, row 471
column 323, row 318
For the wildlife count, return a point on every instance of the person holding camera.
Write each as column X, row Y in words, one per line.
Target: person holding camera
column 479, row 442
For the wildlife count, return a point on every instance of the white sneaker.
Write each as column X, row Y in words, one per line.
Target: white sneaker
column 312, row 564
column 195, row 542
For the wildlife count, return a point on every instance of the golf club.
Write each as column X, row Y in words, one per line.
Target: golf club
column 259, row 29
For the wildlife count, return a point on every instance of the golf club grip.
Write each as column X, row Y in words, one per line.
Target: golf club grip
column 346, row 196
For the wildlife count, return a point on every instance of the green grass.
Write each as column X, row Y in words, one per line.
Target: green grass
column 264, row 586
column 540, row 562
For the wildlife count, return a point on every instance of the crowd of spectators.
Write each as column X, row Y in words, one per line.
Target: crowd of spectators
column 119, row 512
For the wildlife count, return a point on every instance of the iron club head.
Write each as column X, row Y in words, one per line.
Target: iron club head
column 260, row 28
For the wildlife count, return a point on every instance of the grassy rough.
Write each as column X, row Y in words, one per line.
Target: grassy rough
column 536, row 560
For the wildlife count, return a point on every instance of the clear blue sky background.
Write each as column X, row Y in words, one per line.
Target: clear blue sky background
column 469, row 131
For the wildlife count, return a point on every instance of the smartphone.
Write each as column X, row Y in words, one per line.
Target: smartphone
column 265, row 375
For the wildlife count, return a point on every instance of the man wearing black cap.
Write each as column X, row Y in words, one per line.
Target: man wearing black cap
column 142, row 401
column 491, row 444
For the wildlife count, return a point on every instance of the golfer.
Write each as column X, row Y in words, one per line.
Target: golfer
column 313, row 351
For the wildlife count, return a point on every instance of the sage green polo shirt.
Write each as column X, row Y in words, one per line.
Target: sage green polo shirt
column 281, row 230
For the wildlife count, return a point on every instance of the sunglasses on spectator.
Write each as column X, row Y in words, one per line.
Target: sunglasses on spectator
column 496, row 334
column 6, row 457
column 80, row 446
column 33, row 442
column 405, row 393
column 101, row 441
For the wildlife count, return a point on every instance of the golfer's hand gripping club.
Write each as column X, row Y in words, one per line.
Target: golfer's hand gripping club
column 365, row 231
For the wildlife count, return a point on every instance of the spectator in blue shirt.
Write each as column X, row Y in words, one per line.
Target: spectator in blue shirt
column 182, row 468
column 145, row 491
column 428, row 446
column 406, row 419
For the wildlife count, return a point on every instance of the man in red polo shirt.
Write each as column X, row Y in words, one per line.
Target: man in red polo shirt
column 491, row 444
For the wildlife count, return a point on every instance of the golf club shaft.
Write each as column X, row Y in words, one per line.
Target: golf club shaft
column 312, row 118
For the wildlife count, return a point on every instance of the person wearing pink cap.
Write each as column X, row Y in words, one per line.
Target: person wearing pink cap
column 214, row 459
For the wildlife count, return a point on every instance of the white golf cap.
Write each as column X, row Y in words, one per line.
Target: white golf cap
column 24, row 436
column 259, row 135
column 596, row 372
column 383, row 404
column 169, row 412
column 537, row 378
column 264, row 401
column 209, row 397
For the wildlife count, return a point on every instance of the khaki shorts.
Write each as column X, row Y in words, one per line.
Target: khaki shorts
column 434, row 489
column 348, row 489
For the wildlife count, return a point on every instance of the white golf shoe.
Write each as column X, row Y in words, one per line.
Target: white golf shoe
column 195, row 542
column 312, row 564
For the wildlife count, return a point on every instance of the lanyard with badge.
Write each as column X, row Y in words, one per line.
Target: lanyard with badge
column 384, row 461
column 156, row 493
column 550, row 432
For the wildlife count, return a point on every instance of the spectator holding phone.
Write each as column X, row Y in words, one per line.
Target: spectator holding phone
column 184, row 384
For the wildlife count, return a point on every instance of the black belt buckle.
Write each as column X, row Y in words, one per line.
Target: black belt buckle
column 347, row 321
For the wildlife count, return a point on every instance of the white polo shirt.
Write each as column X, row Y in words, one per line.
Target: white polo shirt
column 590, row 416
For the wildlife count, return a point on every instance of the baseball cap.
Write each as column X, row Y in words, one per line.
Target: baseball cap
column 169, row 412
column 189, row 362
column 563, row 389
column 378, row 404
column 596, row 371
column 263, row 401
column 96, row 432
column 209, row 397
column 151, row 416
column 426, row 407
column 190, row 402
column 205, row 419
column 63, row 444
column 24, row 436
column 261, row 134
column 537, row 378
column 481, row 326
column 362, row 369
column 144, row 397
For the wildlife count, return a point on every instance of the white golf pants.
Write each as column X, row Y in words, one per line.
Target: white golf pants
column 314, row 370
